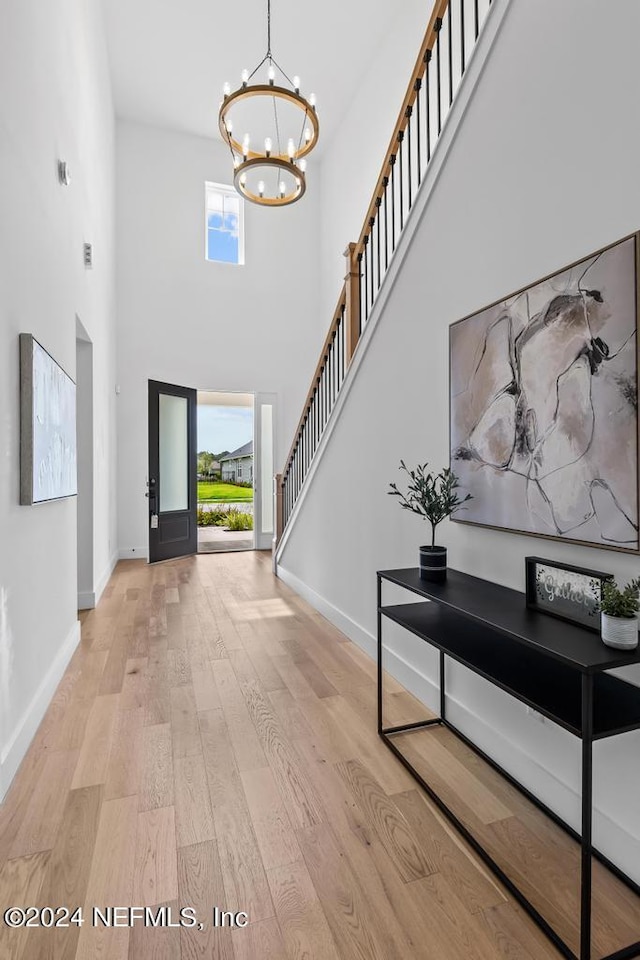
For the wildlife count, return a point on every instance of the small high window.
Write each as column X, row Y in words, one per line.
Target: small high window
column 224, row 242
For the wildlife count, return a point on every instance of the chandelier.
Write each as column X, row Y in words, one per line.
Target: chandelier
column 278, row 129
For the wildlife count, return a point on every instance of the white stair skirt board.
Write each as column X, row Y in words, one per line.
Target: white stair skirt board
column 464, row 95
column 610, row 837
column 88, row 600
column 13, row 753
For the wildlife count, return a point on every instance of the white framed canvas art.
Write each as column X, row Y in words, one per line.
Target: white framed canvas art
column 544, row 405
column 48, row 467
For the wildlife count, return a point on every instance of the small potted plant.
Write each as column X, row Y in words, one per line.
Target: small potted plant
column 619, row 620
column 434, row 497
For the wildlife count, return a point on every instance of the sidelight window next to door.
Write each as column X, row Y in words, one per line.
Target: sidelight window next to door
column 209, row 500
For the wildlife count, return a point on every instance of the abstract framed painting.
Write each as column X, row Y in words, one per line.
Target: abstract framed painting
column 544, row 405
column 47, row 426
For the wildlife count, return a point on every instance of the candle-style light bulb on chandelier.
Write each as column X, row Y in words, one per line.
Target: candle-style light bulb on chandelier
column 270, row 129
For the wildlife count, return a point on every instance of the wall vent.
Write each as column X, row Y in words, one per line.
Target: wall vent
column 88, row 255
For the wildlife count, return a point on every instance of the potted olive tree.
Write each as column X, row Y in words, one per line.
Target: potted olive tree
column 434, row 497
column 619, row 620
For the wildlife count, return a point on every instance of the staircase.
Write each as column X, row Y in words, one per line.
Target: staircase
column 449, row 43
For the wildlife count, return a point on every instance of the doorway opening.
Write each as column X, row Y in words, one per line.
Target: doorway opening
column 226, row 474
column 84, row 443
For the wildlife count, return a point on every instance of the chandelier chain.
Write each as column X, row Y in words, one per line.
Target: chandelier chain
column 269, row 29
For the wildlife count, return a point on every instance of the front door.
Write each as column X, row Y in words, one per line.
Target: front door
column 172, row 483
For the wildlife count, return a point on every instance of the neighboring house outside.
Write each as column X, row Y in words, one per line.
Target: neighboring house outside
column 238, row 465
column 213, row 470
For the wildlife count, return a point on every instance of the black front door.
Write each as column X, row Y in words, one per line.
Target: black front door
column 173, row 487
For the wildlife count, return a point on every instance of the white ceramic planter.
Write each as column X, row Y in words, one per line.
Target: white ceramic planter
column 619, row 632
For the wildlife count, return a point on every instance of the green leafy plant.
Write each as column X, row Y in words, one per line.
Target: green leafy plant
column 620, row 603
column 237, row 520
column 432, row 496
column 211, row 518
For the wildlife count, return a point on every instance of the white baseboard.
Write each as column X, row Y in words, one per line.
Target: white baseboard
column 610, row 837
column 134, row 553
column 15, row 750
column 88, row 599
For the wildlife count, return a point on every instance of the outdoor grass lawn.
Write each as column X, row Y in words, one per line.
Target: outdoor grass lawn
column 222, row 493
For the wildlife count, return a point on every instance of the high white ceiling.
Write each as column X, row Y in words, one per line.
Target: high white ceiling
column 170, row 58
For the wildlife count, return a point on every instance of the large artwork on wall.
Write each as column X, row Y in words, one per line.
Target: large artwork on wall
column 48, row 426
column 544, row 405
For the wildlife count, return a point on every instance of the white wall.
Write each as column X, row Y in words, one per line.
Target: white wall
column 206, row 325
column 55, row 104
column 543, row 171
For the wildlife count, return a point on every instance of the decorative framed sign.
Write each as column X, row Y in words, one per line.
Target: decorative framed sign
column 569, row 593
column 544, row 405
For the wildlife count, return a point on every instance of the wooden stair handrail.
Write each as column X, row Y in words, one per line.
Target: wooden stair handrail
column 349, row 303
column 324, row 355
column 428, row 43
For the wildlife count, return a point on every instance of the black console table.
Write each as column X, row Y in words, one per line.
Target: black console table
column 553, row 666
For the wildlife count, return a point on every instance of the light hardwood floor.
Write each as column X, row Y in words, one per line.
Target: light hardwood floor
column 213, row 743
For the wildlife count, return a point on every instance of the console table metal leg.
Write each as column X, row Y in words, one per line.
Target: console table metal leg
column 587, row 816
column 379, row 656
column 442, row 686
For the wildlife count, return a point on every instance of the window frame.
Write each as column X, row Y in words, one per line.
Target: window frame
column 226, row 190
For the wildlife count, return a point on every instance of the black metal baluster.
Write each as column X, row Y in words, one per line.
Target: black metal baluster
column 325, row 374
column 417, row 87
column 330, row 362
column 477, row 18
column 438, row 26
column 462, row 39
column 305, row 452
column 385, row 184
column 366, row 278
column 427, row 102
column 372, row 265
column 410, row 191
column 392, row 161
column 450, row 44
column 360, row 288
column 401, row 177
column 378, row 205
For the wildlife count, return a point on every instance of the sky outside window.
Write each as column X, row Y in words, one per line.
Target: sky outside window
column 224, row 225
